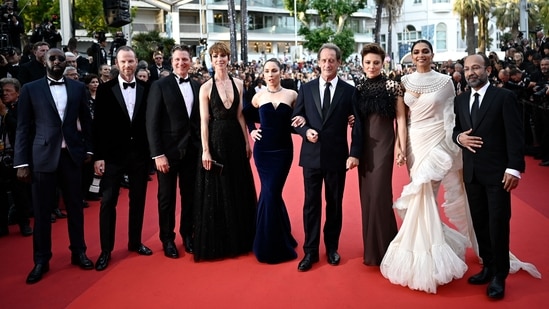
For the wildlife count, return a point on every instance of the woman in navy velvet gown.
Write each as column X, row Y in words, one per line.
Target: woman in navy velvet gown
column 273, row 154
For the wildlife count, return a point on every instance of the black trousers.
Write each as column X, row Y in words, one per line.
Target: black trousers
column 137, row 168
column 334, row 182
column 68, row 177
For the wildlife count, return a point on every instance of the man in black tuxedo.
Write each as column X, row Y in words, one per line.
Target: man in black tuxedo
column 325, row 153
column 50, row 145
column 173, row 128
column 288, row 82
column 121, row 147
column 36, row 68
column 158, row 66
column 489, row 130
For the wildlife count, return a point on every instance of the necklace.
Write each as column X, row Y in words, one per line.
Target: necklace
column 275, row 91
column 425, row 82
column 227, row 102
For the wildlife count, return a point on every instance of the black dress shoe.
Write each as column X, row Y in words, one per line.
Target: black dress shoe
column 103, row 261
column 496, row 288
column 59, row 214
column 37, row 272
column 483, row 277
column 80, row 259
column 141, row 249
column 333, row 258
column 170, row 250
column 544, row 163
column 307, row 262
column 53, row 219
column 188, row 244
column 25, row 229
column 85, row 204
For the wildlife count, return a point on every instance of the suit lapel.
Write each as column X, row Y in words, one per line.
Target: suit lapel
column 484, row 105
column 316, row 96
column 195, row 87
column 49, row 97
column 70, row 95
column 139, row 89
column 465, row 108
column 120, row 98
column 338, row 94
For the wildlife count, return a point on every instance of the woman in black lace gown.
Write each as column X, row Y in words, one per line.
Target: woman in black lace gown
column 273, row 154
column 380, row 102
column 226, row 199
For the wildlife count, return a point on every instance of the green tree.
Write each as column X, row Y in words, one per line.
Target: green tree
column 394, row 8
column 543, row 10
column 507, row 14
column 332, row 19
column 466, row 9
column 231, row 12
column 34, row 12
column 483, row 7
column 377, row 25
column 146, row 43
column 88, row 14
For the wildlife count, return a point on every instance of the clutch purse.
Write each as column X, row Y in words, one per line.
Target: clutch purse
column 216, row 168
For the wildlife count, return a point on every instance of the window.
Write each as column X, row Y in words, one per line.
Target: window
column 440, row 37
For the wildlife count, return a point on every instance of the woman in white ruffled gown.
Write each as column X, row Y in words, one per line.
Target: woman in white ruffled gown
column 426, row 252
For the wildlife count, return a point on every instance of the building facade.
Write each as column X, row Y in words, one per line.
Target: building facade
column 272, row 29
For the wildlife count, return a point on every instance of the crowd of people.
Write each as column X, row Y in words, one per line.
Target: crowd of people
column 453, row 126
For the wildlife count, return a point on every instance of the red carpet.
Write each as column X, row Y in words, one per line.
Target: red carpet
column 133, row 281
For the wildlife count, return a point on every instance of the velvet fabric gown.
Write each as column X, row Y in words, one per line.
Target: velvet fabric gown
column 226, row 203
column 273, row 155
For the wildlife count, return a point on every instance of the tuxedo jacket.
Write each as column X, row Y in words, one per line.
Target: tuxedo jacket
column 40, row 130
column 154, row 71
column 115, row 134
column 499, row 125
column 169, row 128
column 31, row 71
column 331, row 150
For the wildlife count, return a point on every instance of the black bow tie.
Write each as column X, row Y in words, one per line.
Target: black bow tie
column 126, row 85
column 184, row 80
column 54, row 83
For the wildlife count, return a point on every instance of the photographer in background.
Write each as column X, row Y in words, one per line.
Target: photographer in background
column 11, row 188
column 47, row 32
column 9, row 62
column 36, row 68
column 11, row 24
column 119, row 40
column 96, row 53
column 541, row 96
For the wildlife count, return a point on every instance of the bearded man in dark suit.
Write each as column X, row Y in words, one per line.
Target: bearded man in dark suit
column 120, row 140
column 489, row 130
column 53, row 139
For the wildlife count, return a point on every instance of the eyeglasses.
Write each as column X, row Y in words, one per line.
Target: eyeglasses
column 60, row 58
column 158, row 57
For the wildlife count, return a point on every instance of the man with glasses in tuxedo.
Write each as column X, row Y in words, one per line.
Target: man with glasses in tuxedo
column 49, row 152
column 158, row 66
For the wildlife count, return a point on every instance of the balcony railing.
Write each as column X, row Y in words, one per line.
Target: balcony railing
column 276, row 4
